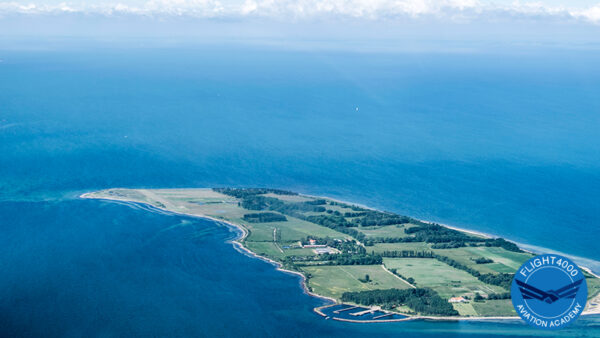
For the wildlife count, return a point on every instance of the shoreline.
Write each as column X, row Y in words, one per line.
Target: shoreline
column 239, row 246
column 236, row 242
column 525, row 247
column 533, row 249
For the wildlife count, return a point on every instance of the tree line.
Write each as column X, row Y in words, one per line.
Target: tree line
column 407, row 254
column 350, row 259
column 435, row 233
column 408, row 279
column 373, row 217
column 504, row 295
column 244, row 192
column 264, row 217
column 482, row 260
column 501, row 279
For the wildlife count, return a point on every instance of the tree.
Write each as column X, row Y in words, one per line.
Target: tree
column 366, row 279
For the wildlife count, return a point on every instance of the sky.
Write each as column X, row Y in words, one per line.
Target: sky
column 556, row 21
column 585, row 10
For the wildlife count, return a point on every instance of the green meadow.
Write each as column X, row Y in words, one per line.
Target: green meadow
column 333, row 281
column 446, row 280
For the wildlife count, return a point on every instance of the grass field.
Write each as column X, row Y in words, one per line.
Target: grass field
column 416, row 246
column 227, row 210
column 271, row 250
column 261, row 232
column 465, row 309
column 385, row 231
column 497, row 307
column 339, row 208
column 290, row 198
column 299, row 252
column 444, row 279
column 333, row 281
column 504, row 261
column 291, row 231
column 268, row 249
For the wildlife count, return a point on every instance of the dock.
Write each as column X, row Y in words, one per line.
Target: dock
column 346, row 309
column 360, row 313
column 383, row 316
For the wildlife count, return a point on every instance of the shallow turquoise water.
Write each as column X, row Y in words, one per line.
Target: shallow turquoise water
column 505, row 144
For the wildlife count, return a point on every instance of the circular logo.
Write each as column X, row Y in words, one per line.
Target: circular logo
column 549, row 291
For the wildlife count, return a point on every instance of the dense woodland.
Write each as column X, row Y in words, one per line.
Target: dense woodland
column 244, row 192
column 372, row 217
column 351, row 259
column 425, row 301
column 445, row 238
column 502, row 243
column 435, row 233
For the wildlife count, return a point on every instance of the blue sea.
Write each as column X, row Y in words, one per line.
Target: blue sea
column 504, row 142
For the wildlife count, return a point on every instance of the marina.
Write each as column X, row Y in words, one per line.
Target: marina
column 359, row 314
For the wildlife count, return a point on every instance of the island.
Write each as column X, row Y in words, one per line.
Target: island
column 372, row 265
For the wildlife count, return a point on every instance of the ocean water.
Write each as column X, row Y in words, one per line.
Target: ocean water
column 504, row 143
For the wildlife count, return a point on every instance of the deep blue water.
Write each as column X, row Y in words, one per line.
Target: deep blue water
column 502, row 143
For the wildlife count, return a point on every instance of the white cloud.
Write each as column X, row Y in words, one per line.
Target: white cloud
column 590, row 14
column 459, row 10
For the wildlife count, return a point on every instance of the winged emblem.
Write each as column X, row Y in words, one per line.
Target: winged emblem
column 550, row 296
